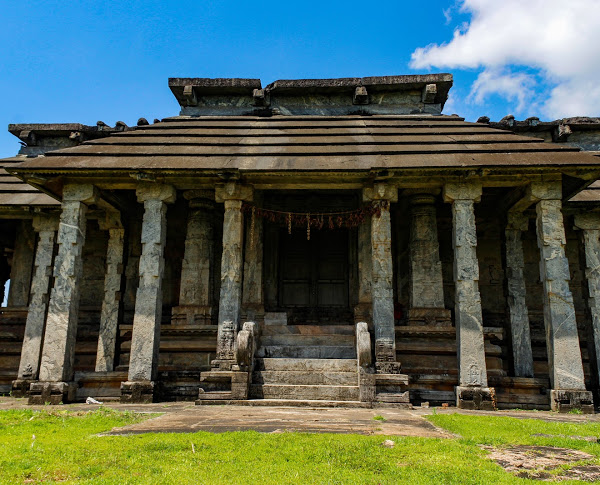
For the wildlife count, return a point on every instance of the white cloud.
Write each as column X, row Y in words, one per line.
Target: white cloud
column 559, row 40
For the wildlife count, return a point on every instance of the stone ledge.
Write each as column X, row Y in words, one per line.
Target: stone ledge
column 137, row 392
column 52, row 393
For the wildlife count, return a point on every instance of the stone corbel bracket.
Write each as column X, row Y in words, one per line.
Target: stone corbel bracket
column 233, row 191
column 429, row 93
column 360, row 95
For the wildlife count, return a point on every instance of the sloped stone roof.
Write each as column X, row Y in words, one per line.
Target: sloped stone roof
column 308, row 143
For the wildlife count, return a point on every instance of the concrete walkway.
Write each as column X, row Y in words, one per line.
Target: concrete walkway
column 185, row 417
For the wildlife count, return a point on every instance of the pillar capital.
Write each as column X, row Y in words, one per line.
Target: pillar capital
column 589, row 221
column 517, row 221
column 46, row 221
column 380, row 191
column 545, row 190
column 462, row 191
column 233, row 191
column 153, row 191
column 85, row 193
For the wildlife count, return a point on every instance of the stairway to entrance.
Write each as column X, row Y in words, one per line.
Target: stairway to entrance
column 306, row 362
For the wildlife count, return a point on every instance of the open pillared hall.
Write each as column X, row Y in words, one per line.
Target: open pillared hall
column 335, row 242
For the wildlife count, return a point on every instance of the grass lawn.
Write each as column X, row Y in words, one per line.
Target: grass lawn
column 55, row 445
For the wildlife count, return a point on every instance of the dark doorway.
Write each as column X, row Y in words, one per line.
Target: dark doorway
column 313, row 276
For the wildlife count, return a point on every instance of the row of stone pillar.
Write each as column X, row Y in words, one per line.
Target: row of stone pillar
column 52, row 363
column 426, row 288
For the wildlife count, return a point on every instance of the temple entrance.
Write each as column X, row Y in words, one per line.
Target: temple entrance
column 313, row 277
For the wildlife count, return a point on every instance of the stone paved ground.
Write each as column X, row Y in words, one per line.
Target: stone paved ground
column 186, row 417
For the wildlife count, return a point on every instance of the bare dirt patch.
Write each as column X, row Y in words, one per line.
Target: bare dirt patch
column 546, row 463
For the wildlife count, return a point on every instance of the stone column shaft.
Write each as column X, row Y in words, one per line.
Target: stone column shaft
column 63, row 311
column 472, row 372
column 363, row 310
column 253, row 294
column 564, row 355
column 109, row 317
column 382, row 271
column 517, row 306
column 196, row 288
column 22, row 265
column 145, row 340
column 592, row 271
column 45, row 225
column 426, row 284
column 230, row 299
column 58, row 354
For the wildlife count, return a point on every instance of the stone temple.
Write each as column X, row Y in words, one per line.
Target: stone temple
column 323, row 241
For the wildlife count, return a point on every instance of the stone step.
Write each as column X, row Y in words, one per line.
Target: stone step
column 309, row 365
column 268, row 330
column 292, row 339
column 306, row 378
column 317, row 393
column 308, row 403
column 308, row 352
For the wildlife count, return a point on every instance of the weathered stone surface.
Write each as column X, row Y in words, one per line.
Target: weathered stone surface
column 562, row 341
column 109, row 316
column 363, row 345
column 468, row 315
column 382, row 274
column 252, row 293
column 52, row 393
column 564, row 401
column 63, row 310
column 196, row 289
column 141, row 392
column 46, row 226
column 426, row 285
column 590, row 225
column 148, row 305
column 476, row 398
column 363, row 310
column 22, row 265
column 517, row 306
column 231, row 279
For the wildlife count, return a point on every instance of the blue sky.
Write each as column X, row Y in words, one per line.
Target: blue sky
column 84, row 61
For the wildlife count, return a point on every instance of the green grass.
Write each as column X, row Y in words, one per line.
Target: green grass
column 67, row 448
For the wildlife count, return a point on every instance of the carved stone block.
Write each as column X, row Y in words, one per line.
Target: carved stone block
column 481, row 398
column 138, row 392
column 565, row 400
column 52, row 393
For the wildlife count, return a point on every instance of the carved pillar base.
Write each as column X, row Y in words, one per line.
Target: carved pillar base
column 192, row 315
column 137, row 392
column 20, row 387
column 52, row 393
column 481, row 398
column 430, row 317
column 563, row 401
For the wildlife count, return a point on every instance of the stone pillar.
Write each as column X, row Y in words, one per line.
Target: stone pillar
column 472, row 391
column 253, row 306
column 22, row 265
column 517, row 306
column 45, row 225
column 589, row 224
column 145, row 340
column 232, row 195
column 109, row 316
column 426, row 284
column 56, row 369
column 382, row 276
column 363, row 310
column 196, row 288
column 562, row 341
